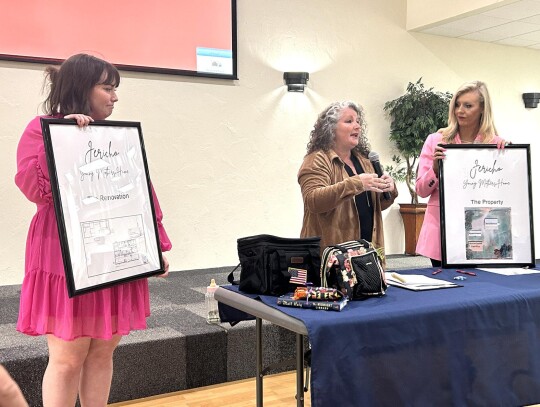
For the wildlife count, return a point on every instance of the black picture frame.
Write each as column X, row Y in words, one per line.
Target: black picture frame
column 103, row 203
column 486, row 206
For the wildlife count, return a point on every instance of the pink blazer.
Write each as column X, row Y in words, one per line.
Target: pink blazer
column 427, row 184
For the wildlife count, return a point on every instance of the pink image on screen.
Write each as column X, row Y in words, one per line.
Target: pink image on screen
column 164, row 33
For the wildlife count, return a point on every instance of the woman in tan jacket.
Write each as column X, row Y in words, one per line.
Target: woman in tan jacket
column 341, row 191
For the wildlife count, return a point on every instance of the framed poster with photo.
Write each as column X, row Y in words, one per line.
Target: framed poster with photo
column 486, row 206
column 103, row 203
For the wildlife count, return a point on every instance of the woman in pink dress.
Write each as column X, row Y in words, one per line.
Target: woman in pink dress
column 83, row 331
column 470, row 120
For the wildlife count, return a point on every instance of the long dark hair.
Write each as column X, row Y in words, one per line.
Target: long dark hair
column 71, row 83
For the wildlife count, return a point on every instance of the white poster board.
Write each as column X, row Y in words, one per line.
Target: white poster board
column 103, row 203
column 486, row 206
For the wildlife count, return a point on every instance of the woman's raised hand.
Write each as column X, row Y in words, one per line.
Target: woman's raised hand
column 81, row 119
column 372, row 182
column 389, row 187
column 503, row 143
column 438, row 154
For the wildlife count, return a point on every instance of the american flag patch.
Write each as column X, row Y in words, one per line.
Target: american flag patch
column 298, row 276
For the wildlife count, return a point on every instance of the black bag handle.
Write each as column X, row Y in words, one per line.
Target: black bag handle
column 361, row 242
column 230, row 277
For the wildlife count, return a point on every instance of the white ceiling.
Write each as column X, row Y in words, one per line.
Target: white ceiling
column 516, row 24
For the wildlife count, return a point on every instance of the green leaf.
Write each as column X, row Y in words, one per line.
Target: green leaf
column 413, row 116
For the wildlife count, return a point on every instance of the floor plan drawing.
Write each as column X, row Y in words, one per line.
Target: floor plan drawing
column 114, row 244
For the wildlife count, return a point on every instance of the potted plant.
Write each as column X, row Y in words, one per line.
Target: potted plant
column 413, row 116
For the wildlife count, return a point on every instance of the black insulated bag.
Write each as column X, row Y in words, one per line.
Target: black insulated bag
column 269, row 263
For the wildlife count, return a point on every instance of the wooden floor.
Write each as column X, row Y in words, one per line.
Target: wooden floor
column 279, row 390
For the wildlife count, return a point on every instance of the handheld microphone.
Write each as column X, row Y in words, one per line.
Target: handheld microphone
column 374, row 158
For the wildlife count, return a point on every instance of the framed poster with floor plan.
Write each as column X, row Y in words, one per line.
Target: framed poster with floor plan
column 486, row 206
column 103, row 203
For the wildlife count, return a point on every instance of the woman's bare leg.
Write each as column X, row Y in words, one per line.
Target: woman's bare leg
column 61, row 379
column 96, row 375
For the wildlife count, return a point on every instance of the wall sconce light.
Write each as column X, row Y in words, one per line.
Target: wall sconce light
column 531, row 99
column 295, row 81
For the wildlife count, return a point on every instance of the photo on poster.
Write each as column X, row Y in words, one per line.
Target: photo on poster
column 488, row 232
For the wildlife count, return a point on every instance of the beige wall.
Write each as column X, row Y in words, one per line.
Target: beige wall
column 423, row 13
column 224, row 155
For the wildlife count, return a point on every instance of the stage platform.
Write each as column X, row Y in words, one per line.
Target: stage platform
column 178, row 351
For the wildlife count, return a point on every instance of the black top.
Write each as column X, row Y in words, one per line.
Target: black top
column 363, row 204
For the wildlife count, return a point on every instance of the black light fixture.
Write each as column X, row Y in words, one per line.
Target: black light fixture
column 295, row 81
column 531, row 99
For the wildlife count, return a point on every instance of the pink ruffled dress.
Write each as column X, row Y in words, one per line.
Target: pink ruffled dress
column 45, row 307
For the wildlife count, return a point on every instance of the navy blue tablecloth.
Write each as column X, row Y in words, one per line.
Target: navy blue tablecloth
column 476, row 345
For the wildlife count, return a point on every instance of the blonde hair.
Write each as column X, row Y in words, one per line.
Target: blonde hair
column 487, row 129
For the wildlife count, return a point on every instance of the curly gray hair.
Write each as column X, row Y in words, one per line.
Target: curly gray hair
column 322, row 136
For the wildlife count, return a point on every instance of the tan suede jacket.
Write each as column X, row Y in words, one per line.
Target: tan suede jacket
column 328, row 193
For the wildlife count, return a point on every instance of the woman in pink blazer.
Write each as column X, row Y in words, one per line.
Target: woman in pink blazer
column 470, row 121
